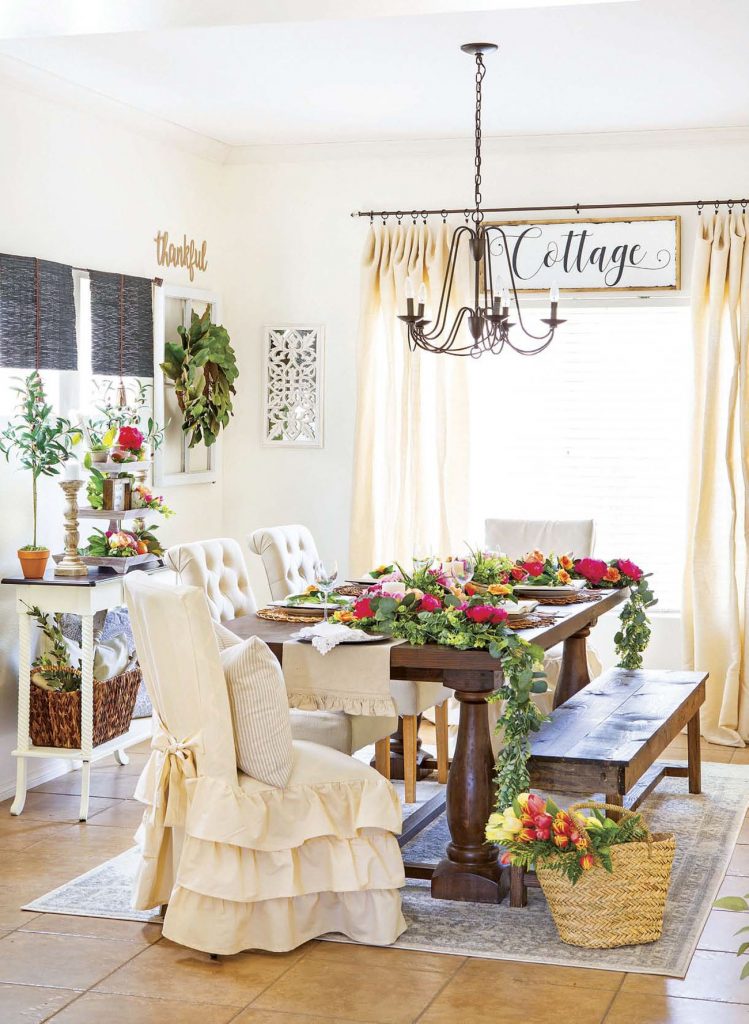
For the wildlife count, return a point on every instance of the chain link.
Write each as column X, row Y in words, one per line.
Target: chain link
column 478, row 216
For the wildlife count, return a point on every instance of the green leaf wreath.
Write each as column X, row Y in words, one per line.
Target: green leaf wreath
column 204, row 368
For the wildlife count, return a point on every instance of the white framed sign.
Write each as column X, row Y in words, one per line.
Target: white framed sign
column 589, row 255
column 293, row 360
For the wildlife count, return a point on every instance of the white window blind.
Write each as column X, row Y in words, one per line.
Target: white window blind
column 597, row 426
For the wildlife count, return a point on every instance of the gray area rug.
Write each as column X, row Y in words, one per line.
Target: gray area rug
column 706, row 828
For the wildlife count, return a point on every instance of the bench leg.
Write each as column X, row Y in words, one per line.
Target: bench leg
column 518, row 889
column 694, row 754
column 618, row 800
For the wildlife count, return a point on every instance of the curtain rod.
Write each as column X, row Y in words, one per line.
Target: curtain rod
column 575, row 207
column 158, row 281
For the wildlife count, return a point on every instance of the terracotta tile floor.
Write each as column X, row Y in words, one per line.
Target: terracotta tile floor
column 76, row 970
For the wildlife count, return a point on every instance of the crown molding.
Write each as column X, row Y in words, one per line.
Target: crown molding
column 492, row 144
column 17, row 74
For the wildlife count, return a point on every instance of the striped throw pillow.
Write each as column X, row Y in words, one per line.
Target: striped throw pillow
column 259, row 711
column 224, row 637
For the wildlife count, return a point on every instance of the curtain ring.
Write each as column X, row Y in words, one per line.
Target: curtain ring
column 424, row 216
column 577, row 209
column 414, row 217
column 398, row 216
column 443, row 215
column 717, row 207
column 744, row 205
column 384, row 218
column 467, row 215
column 700, row 206
column 730, row 205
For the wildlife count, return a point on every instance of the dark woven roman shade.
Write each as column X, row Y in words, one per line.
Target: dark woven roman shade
column 37, row 314
column 121, row 325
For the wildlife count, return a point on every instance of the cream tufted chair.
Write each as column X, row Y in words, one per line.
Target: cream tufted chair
column 516, row 538
column 239, row 863
column 289, row 554
column 218, row 568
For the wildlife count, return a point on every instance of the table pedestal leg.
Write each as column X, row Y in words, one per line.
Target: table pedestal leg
column 573, row 675
column 470, row 870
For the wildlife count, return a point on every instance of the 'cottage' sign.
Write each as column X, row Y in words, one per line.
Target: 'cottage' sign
column 186, row 253
column 591, row 255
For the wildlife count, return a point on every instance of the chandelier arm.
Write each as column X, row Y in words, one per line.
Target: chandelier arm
column 488, row 276
column 447, row 284
column 532, row 351
column 523, row 328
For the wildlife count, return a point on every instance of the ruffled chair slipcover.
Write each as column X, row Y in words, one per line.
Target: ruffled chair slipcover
column 242, row 864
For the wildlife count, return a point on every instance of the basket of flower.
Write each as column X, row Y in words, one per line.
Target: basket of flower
column 55, row 709
column 605, row 881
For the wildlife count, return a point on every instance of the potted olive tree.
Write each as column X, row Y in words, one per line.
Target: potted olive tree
column 41, row 442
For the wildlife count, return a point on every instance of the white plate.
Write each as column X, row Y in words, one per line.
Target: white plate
column 362, row 638
column 309, row 606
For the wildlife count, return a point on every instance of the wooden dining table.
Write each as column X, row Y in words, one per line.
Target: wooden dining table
column 470, row 868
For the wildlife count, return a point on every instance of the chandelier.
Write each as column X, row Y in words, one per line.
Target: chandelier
column 488, row 319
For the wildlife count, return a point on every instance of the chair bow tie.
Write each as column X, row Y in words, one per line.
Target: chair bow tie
column 178, row 766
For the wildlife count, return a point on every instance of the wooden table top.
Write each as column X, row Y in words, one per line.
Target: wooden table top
column 405, row 657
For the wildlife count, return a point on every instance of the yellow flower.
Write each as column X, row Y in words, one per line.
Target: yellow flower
column 500, row 589
column 565, row 561
column 511, row 824
column 345, row 616
column 563, row 576
column 310, row 589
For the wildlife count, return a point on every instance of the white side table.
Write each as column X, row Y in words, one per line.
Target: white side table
column 82, row 596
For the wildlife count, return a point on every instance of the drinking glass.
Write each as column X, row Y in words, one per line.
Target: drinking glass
column 326, row 575
column 423, row 557
column 462, row 570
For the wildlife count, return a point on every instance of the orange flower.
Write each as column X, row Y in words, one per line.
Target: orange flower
column 565, row 561
column 612, row 574
column 499, row 589
column 587, row 861
column 563, row 576
column 536, row 556
column 346, row 616
column 560, row 840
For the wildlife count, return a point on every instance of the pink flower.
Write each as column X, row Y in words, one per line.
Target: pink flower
column 628, row 568
column 533, row 568
column 480, row 613
column 500, row 614
column 130, row 437
column 429, row 603
column 536, row 806
column 592, row 569
column 518, row 574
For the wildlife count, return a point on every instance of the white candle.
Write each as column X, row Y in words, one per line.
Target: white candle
column 393, row 590
column 72, row 470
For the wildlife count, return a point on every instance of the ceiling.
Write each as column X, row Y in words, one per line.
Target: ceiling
column 254, row 74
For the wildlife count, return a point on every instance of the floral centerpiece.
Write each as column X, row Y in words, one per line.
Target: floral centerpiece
column 129, row 445
column 539, row 570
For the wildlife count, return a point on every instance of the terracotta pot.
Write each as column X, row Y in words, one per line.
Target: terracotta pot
column 33, row 563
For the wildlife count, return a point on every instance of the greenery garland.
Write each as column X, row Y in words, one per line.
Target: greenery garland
column 634, row 636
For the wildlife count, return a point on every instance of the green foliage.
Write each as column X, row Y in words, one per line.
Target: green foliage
column 95, row 487
column 203, row 367
column 490, row 567
column 101, row 428
column 40, row 441
column 634, row 636
column 740, row 905
column 54, row 665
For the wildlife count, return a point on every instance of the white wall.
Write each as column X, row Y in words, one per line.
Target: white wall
column 80, row 190
column 300, row 253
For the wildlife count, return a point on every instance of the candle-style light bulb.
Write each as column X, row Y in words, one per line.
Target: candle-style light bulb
column 554, row 292
column 422, row 296
column 409, row 288
column 505, row 299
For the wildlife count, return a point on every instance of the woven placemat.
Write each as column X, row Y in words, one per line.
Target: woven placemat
column 583, row 597
column 286, row 615
column 351, row 589
column 531, row 621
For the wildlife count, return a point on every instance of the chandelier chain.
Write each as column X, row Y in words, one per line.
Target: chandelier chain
column 478, row 216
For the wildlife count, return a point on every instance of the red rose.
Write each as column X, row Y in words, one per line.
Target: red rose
column 363, row 609
column 628, row 568
column 533, row 568
column 429, row 603
column 480, row 613
column 130, row 437
column 592, row 569
column 518, row 573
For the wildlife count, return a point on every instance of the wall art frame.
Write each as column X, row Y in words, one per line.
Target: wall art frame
column 293, row 377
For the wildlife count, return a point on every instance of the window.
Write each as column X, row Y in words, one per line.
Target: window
column 594, row 427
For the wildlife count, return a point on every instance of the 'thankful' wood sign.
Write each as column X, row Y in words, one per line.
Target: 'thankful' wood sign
column 187, row 253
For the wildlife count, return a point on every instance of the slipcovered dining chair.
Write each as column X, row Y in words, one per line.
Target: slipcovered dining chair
column 518, row 537
column 240, row 863
column 218, row 568
column 289, row 554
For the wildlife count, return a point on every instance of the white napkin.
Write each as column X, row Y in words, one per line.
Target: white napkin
column 327, row 635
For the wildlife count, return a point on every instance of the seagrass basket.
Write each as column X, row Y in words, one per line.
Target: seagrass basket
column 55, row 718
column 624, row 908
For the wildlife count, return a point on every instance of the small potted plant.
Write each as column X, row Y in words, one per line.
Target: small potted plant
column 41, row 442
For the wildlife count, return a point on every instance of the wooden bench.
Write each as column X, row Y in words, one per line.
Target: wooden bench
column 606, row 738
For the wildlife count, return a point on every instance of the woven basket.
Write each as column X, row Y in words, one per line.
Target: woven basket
column 56, row 716
column 624, row 908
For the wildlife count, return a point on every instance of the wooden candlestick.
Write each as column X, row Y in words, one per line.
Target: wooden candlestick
column 71, row 564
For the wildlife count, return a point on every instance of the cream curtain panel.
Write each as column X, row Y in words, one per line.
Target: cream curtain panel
column 716, row 591
column 411, row 471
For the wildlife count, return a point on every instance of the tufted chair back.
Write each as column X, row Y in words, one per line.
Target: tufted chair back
column 516, row 537
column 218, row 568
column 289, row 554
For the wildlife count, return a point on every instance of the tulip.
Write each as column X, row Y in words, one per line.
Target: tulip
column 587, row 861
column 561, row 841
column 543, row 833
column 505, row 859
column 526, row 835
column 536, row 805
column 522, row 799
column 544, row 821
column 511, row 824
